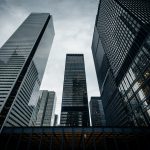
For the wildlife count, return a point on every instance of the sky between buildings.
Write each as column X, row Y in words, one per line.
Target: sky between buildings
column 74, row 24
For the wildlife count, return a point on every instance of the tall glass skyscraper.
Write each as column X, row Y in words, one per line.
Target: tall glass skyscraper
column 97, row 112
column 74, row 111
column 121, row 52
column 55, row 120
column 22, row 63
column 44, row 112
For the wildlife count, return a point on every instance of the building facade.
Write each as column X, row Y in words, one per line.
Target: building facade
column 78, row 138
column 22, row 63
column 74, row 111
column 121, row 52
column 97, row 112
column 44, row 112
column 56, row 120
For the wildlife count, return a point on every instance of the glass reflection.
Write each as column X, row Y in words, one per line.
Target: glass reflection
column 135, row 90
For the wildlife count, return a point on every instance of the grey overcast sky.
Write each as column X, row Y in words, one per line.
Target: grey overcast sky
column 74, row 24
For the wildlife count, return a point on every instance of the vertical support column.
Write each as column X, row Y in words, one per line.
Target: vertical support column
column 9, row 139
column 115, row 143
column 93, row 139
column 62, row 139
column 51, row 140
column 137, row 143
column 19, row 141
column 105, row 143
column 83, row 141
column 40, row 141
column 73, row 139
column 127, row 143
column 29, row 140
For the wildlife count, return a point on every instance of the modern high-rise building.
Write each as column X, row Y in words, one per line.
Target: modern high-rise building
column 23, row 60
column 97, row 112
column 74, row 111
column 121, row 52
column 44, row 112
column 56, row 120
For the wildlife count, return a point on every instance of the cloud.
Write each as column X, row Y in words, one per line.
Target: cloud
column 74, row 24
column 11, row 18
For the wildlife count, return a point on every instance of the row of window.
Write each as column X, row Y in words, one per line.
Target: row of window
column 135, row 89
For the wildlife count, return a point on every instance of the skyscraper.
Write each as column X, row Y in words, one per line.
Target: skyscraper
column 121, row 52
column 74, row 111
column 97, row 112
column 56, row 120
column 44, row 112
column 22, row 63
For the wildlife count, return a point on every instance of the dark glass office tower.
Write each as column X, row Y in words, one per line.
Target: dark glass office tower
column 121, row 51
column 44, row 112
column 56, row 120
column 22, row 63
column 74, row 111
column 97, row 112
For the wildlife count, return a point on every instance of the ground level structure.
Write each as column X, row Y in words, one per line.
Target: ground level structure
column 63, row 138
